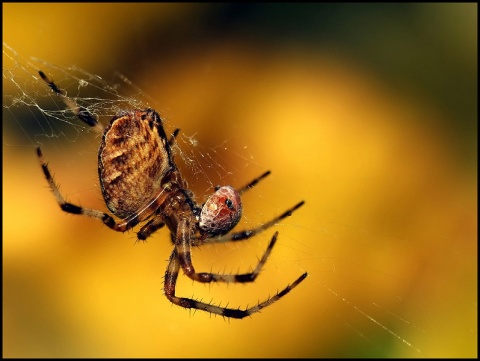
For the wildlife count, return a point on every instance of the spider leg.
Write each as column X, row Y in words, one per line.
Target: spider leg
column 248, row 233
column 173, row 137
column 171, row 276
column 123, row 226
column 183, row 252
column 81, row 112
column 253, row 183
column 152, row 226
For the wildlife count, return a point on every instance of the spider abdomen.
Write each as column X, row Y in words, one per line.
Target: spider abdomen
column 133, row 158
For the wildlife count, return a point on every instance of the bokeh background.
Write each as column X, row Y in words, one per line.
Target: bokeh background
column 366, row 111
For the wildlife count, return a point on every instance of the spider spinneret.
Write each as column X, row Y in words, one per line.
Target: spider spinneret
column 140, row 182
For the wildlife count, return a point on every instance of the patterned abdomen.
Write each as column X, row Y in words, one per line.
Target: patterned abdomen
column 133, row 158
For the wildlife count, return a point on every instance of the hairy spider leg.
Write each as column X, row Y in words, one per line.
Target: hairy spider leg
column 253, row 183
column 180, row 255
column 123, row 226
column 150, row 227
column 183, row 253
column 81, row 112
column 173, row 137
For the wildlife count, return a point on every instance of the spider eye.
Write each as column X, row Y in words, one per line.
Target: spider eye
column 221, row 212
column 229, row 204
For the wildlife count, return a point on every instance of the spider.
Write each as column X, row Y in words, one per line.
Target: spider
column 140, row 182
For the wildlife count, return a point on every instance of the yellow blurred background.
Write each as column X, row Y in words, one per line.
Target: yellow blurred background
column 367, row 112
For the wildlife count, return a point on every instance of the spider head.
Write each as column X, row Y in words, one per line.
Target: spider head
column 221, row 212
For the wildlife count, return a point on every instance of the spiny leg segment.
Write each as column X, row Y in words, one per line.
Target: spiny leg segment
column 176, row 262
column 81, row 112
column 242, row 235
column 123, row 226
column 253, row 183
column 183, row 254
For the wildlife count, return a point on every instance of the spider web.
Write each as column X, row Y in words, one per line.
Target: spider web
column 48, row 117
column 35, row 116
column 39, row 116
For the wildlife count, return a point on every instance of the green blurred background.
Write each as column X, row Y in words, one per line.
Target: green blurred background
column 366, row 111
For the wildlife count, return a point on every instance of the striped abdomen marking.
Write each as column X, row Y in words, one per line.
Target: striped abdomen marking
column 133, row 158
